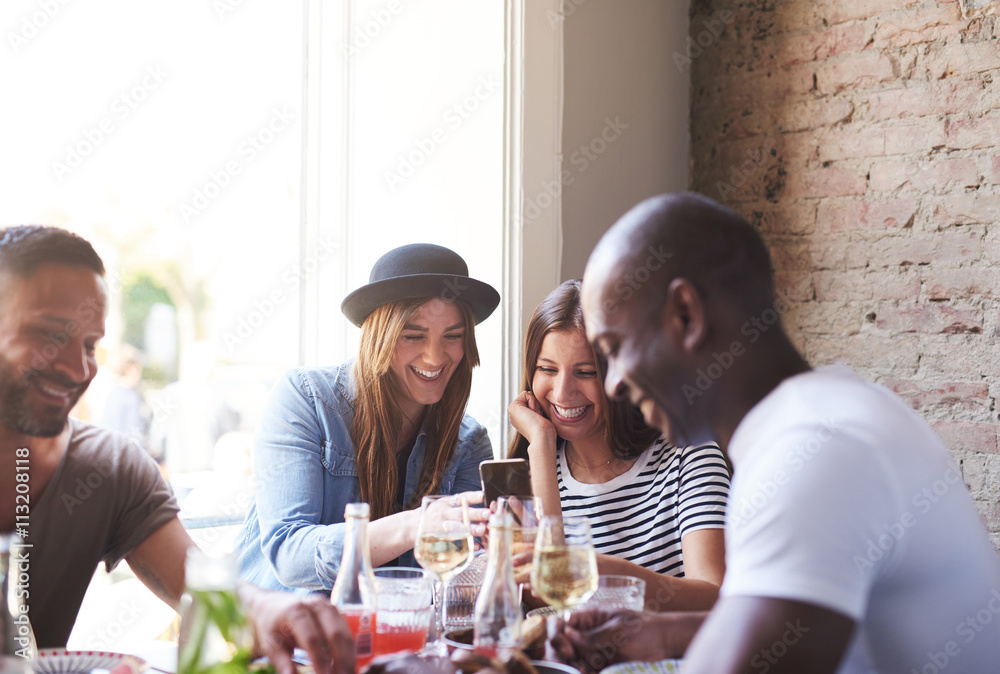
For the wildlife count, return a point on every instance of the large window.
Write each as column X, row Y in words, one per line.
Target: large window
column 240, row 166
column 409, row 98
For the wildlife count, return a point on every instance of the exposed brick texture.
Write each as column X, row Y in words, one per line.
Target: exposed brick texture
column 862, row 138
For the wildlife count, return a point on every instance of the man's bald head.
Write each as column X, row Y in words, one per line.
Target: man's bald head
column 695, row 238
column 668, row 295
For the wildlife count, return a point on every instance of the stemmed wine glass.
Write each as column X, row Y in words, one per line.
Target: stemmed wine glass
column 564, row 567
column 444, row 549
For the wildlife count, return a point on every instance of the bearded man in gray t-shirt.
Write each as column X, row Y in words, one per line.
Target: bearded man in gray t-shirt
column 93, row 495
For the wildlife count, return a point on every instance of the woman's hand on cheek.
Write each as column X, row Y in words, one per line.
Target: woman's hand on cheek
column 526, row 416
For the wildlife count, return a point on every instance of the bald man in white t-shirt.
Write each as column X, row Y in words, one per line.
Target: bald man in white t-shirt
column 852, row 544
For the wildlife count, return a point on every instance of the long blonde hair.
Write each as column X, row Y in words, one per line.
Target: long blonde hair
column 378, row 416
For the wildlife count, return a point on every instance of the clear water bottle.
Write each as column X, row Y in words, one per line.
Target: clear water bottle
column 354, row 590
column 17, row 641
column 214, row 628
column 497, row 626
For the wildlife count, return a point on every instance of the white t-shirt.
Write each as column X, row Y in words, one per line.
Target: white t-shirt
column 844, row 498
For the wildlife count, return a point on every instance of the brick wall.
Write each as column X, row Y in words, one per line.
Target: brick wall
column 863, row 138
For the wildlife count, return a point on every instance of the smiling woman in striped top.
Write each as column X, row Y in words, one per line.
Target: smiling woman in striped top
column 656, row 510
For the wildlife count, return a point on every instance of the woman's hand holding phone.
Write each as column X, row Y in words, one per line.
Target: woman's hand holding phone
column 522, row 566
column 447, row 513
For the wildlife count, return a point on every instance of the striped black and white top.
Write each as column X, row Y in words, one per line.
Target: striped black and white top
column 642, row 514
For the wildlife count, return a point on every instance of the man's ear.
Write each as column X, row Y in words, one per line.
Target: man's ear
column 684, row 316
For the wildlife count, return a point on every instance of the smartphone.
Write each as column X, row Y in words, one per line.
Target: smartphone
column 504, row 477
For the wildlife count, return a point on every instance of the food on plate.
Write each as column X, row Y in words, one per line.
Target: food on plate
column 471, row 662
column 533, row 634
column 462, row 661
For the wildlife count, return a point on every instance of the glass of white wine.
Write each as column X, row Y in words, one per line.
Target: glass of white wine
column 564, row 566
column 444, row 548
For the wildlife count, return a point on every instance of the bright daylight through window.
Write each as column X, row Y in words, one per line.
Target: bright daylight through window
column 235, row 202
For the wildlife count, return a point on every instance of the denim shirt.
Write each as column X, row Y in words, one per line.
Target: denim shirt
column 306, row 472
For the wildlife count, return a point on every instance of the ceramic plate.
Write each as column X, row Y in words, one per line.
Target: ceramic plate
column 546, row 667
column 543, row 611
column 61, row 661
column 658, row 667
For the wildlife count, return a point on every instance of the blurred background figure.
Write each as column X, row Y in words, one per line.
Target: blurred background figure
column 124, row 408
column 192, row 413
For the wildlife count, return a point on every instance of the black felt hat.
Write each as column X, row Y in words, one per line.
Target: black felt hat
column 420, row 270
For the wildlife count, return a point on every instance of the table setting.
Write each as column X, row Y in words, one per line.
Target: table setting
column 436, row 618
column 563, row 573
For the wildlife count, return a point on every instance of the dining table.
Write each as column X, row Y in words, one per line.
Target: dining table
column 161, row 656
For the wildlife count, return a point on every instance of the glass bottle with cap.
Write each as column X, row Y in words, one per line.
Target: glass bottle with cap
column 497, row 626
column 17, row 641
column 354, row 590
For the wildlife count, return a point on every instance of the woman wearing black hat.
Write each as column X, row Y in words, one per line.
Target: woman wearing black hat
column 387, row 428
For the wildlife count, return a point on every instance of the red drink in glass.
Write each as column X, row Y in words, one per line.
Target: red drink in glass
column 400, row 639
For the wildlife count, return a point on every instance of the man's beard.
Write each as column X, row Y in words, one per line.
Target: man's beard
column 15, row 414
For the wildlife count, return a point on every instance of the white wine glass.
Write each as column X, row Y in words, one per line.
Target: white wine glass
column 564, row 566
column 444, row 548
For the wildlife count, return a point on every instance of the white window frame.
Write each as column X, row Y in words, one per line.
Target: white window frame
column 533, row 111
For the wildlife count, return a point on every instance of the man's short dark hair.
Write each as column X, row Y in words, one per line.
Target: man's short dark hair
column 26, row 247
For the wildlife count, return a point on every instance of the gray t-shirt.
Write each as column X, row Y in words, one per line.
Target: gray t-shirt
column 105, row 498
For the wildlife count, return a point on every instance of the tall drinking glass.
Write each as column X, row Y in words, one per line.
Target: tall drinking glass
column 404, row 596
column 522, row 510
column 564, row 567
column 443, row 548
